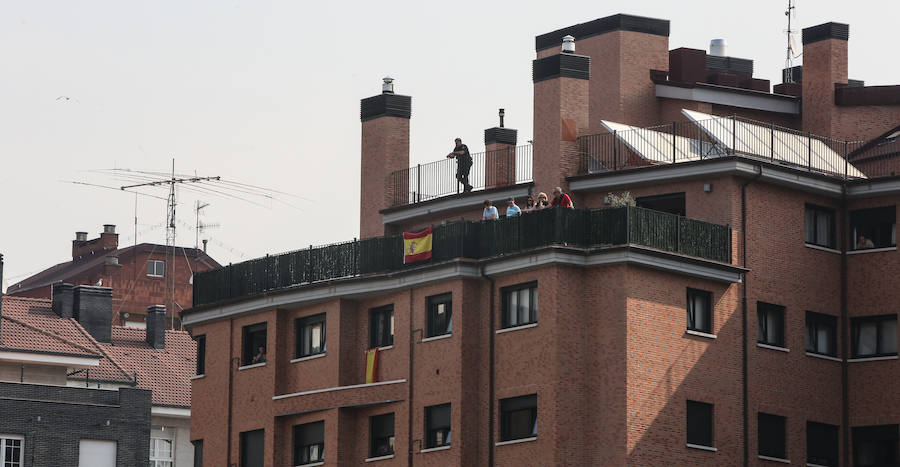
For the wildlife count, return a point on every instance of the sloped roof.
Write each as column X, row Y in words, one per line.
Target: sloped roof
column 30, row 325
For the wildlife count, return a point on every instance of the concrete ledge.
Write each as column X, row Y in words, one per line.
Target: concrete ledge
column 247, row 367
column 872, row 359
column 773, row 459
column 439, row 448
column 379, row 458
column 308, row 357
column 700, row 334
column 701, row 447
column 772, row 347
column 454, row 202
column 823, row 357
column 337, row 388
column 434, row 338
column 198, row 376
column 822, row 248
column 516, row 328
column 516, row 441
column 732, row 97
column 872, row 250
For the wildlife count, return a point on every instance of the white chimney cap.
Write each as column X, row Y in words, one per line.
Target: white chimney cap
column 718, row 47
column 568, row 45
column 388, row 85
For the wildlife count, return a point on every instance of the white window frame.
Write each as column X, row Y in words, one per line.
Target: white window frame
column 3, row 439
column 155, row 263
column 166, row 434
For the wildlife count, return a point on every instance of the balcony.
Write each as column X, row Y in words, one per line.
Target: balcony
column 590, row 229
column 490, row 170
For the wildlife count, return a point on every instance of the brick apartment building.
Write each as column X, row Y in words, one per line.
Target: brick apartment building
column 743, row 313
column 137, row 274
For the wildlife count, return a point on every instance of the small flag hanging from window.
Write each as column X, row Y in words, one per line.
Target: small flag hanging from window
column 372, row 366
column 417, row 245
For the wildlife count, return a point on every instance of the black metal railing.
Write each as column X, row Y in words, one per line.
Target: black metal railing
column 467, row 239
column 680, row 142
column 490, row 169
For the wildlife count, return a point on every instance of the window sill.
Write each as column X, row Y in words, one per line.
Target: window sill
column 772, row 347
column 701, row 447
column 198, row 376
column 439, row 448
column 872, row 250
column 872, row 359
column 314, row 464
column 516, row 328
column 387, row 347
column 435, row 338
column 379, row 458
column 823, row 357
column 247, row 367
column 516, row 441
column 821, row 248
column 700, row 334
column 308, row 357
column 774, row 459
column 815, row 465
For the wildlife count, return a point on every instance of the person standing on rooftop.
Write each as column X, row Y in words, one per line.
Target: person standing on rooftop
column 511, row 209
column 561, row 199
column 463, row 164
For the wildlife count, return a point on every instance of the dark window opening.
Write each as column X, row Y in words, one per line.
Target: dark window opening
column 519, row 305
column 672, row 203
column 381, row 428
column 699, row 310
column 875, row 446
column 821, row 333
column 440, row 315
column 437, row 426
column 309, row 443
column 699, row 423
column 254, row 344
column 874, row 336
column 820, row 226
column 518, row 417
column 770, row 324
column 873, row 228
column 821, row 444
column 771, row 435
column 381, row 329
column 252, row 448
column 310, row 336
column 201, row 355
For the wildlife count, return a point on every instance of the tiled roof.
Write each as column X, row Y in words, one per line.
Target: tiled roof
column 29, row 325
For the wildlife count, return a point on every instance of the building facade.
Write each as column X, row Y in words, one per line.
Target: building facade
column 741, row 313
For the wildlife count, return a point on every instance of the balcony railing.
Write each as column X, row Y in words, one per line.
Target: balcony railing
column 490, row 169
column 467, row 239
column 680, row 142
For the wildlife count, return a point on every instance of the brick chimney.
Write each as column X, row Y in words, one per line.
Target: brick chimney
column 92, row 307
column 63, row 300
column 500, row 155
column 623, row 49
column 561, row 93
column 156, row 326
column 108, row 241
column 824, row 66
column 385, row 149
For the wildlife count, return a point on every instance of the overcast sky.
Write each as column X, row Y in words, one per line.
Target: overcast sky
column 267, row 93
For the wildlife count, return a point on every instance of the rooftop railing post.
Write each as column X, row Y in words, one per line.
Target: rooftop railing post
column 846, row 161
column 772, row 140
column 419, row 182
column 673, row 142
column 615, row 150
column 809, row 151
column 733, row 135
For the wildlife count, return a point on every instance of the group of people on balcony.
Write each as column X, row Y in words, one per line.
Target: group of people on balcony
column 560, row 200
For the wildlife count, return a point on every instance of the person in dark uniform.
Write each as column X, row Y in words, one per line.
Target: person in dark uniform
column 463, row 164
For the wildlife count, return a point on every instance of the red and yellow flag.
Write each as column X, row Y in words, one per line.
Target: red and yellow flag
column 372, row 366
column 417, row 245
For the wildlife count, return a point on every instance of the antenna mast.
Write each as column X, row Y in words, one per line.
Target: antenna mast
column 789, row 58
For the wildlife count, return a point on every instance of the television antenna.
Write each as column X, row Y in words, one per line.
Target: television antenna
column 790, row 54
column 200, row 227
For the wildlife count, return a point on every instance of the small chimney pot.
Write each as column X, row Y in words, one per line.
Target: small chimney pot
column 568, row 45
column 156, row 326
column 80, row 236
column 387, row 87
column 718, row 47
column 109, row 228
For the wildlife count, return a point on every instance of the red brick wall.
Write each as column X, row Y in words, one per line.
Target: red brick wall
column 385, row 149
column 554, row 159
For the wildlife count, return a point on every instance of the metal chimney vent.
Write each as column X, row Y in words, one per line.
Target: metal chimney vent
column 388, row 86
column 568, row 45
column 718, row 47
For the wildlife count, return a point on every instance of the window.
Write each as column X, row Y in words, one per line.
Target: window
column 309, row 443
column 770, row 324
column 821, row 444
column 96, row 453
column 672, row 203
column 381, row 328
column 699, row 423
column 198, row 452
column 381, row 429
column 873, row 228
column 440, row 315
column 821, row 333
column 519, row 304
column 875, row 446
column 874, row 336
column 518, row 417
column 156, row 268
column 252, row 448
column 162, row 452
column 201, row 355
column 12, row 451
column 437, row 426
column 310, row 335
column 820, row 226
column 254, row 344
column 699, row 310
column 771, row 432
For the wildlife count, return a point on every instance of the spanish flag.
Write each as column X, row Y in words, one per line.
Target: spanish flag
column 372, row 366
column 417, row 245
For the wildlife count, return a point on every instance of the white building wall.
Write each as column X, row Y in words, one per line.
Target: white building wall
column 184, row 450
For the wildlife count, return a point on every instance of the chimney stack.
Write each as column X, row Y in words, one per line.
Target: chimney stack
column 109, row 239
column 92, row 308
column 500, row 155
column 385, row 150
column 156, row 326
column 80, row 236
column 63, row 300
column 824, row 65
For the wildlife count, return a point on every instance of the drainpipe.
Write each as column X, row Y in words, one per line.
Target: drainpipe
column 491, row 335
column 845, row 403
column 230, row 384
column 412, row 346
column 745, row 411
